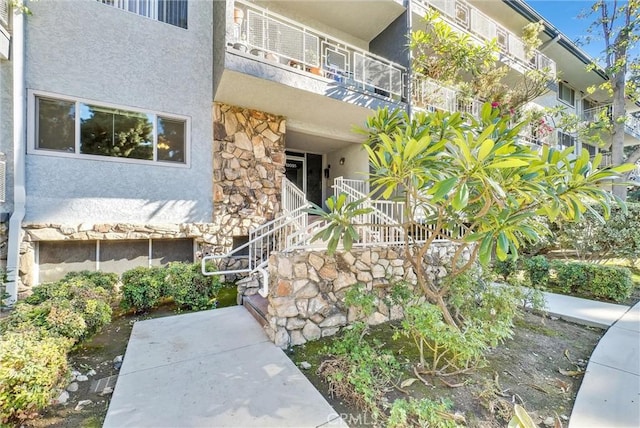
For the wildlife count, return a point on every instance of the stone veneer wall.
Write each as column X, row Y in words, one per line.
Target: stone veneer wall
column 248, row 166
column 307, row 288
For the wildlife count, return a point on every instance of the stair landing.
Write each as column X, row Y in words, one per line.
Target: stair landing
column 212, row 368
column 257, row 307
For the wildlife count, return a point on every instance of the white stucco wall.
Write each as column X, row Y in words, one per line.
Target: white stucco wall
column 85, row 49
column 356, row 164
column 6, row 131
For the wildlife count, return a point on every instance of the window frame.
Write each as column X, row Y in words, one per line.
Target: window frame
column 559, row 94
column 152, row 18
column 32, row 119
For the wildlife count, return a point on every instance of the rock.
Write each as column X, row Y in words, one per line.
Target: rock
column 72, row 387
column 82, row 378
column 328, row 272
column 549, row 422
column 285, row 307
column 378, row 271
column 295, row 323
column 117, row 362
column 305, row 365
column 63, row 397
column 82, row 403
column 343, row 280
column 91, row 372
column 376, row 318
column 311, row 331
column 108, row 390
column 337, row 320
column 297, row 338
column 330, row 331
column 281, row 338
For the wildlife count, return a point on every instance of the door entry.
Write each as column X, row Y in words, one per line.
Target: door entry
column 305, row 171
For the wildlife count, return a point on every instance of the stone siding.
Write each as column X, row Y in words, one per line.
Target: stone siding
column 307, row 289
column 248, row 166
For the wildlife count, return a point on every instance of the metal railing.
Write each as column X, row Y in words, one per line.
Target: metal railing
column 170, row 12
column 273, row 37
column 4, row 13
column 631, row 123
column 429, row 94
column 469, row 19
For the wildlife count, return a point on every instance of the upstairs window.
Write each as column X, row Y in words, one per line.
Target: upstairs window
column 566, row 140
column 73, row 127
column 566, row 94
column 172, row 12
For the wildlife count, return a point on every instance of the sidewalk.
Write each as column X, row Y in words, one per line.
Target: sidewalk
column 212, row 369
column 609, row 396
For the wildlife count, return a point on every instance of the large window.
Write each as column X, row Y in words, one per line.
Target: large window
column 87, row 128
column 566, row 140
column 566, row 94
column 172, row 12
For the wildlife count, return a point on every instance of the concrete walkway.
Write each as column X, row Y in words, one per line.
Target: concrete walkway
column 609, row 396
column 212, row 369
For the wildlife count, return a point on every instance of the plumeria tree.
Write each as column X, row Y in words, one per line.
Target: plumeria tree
column 467, row 180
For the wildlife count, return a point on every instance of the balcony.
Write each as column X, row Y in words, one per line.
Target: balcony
column 5, row 37
column 430, row 95
column 631, row 124
column 257, row 33
column 466, row 18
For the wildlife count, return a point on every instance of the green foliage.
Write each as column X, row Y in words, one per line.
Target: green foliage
column 537, row 271
column 595, row 239
column 106, row 280
column 340, row 218
column 189, row 288
column 32, row 366
column 506, row 268
column 358, row 370
column 484, row 313
column 593, row 281
column 105, row 283
column 3, row 290
column 143, row 288
column 421, row 413
column 361, row 298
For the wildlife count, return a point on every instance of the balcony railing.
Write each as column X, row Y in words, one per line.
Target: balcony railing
column 171, row 12
column 273, row 37
column 4, row 13
column 430, row 95
column 631, row 124
column 465, row 17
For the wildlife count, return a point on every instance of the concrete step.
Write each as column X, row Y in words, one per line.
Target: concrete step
column 257, row 306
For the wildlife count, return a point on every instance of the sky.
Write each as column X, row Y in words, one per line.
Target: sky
column 563, row 14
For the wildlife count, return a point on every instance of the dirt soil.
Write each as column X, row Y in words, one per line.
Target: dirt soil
column 525, row 370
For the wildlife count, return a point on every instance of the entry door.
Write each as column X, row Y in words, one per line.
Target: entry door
column 305, row 171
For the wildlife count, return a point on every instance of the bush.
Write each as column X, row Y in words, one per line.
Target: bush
column 537, row 270
column 189, row 288
column 570, row 277
column 32, row 367
column 143, row 288
column 105, row 280
column 421, row 413
column 72, row 281
column 611, row 282
column 505, row 268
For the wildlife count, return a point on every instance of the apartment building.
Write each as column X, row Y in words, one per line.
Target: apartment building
column 138, row 132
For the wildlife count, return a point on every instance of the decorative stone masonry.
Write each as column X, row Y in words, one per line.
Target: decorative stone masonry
column 307, row 289
column 248, row 166
column 204, row 234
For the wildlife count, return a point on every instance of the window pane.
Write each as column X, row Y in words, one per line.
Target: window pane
column 56, row 127
column 173, row 12
column 165, row 251
column 57, row 258
column 117, row 133
column 171, row 140
column 120, row 256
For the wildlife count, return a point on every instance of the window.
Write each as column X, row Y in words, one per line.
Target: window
column 566, row 94
column 591, row 149
column 57, row 258
column 79, row 128
column 565, row 140
column 172, row 12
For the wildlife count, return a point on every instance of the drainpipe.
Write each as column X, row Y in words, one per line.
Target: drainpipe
column 19, row 150
column 409, row 87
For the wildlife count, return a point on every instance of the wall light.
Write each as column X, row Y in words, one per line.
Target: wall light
column 341, row 161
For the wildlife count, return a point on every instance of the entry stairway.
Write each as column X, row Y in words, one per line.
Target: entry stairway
column 292, row 229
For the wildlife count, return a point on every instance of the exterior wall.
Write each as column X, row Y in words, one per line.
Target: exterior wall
column 6, row 131
column 128, row 60
column 356, row 164
column 248, row 165
column 307, row 289
column 386, row 43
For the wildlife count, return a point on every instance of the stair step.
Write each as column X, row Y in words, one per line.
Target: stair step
column 257, row 307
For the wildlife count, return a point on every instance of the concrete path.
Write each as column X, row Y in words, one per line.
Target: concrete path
column 584, row 311
column 212, row 369
column 610, row 392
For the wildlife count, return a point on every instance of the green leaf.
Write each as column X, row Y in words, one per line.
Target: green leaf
column 508, row 163
column 461, row 198
column 442, row 188
column 485, row 149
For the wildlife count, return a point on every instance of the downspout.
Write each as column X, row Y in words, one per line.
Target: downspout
column 409, row 74
column 19, row 153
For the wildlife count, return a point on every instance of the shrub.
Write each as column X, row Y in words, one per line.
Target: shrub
column 611, row 282
column 505, row 268
column 105, row 280
column 32, row 366
column 421, row 413
column 143, row 288
column 72, row 281
column 570, row 277
column 537, row 270
column 189, row 288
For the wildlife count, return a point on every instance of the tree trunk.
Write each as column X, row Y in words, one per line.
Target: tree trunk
column 618, row 113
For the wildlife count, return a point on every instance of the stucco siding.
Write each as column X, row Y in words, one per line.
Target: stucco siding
column 6, row 131
column 93, row 51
